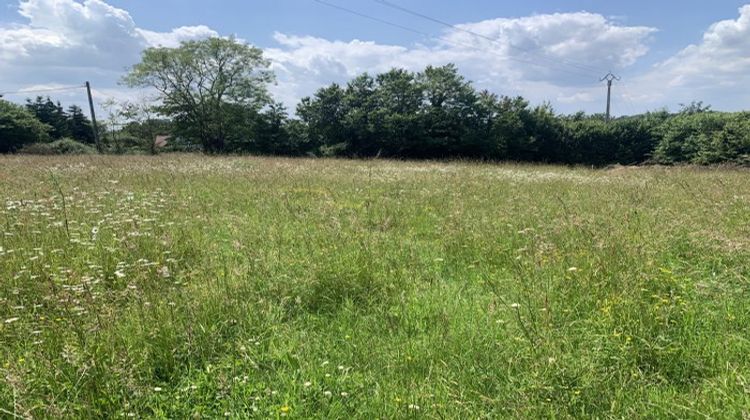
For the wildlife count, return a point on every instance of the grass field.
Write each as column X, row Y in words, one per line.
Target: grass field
column 188, row 286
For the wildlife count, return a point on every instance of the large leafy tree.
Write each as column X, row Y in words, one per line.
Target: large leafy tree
column 359, row 103
column 18, row 127
column 203, row 85
column 324, row 115
column 398, row 98
column 448, row 110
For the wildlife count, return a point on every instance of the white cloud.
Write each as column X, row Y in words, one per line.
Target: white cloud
column 556, row 57
column 67, row 42
column 542, row 57
column 579, row 40
column 176, row 36
column 716, row 70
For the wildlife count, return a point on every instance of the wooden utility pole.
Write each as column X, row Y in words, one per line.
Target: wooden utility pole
column 609, row 78
column 93, row 119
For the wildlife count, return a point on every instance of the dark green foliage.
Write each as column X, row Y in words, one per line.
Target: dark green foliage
column 72, row 124
column 447, row 112
column 19, row 127
column 79, row 125
column 433, row 114
column 275, row 134
column 58, row 147
column 438, row 114
column 212, row 89
column 705, row 137
column 52, row 114
column 141, row 133
column 396, row 120
column 324, row 117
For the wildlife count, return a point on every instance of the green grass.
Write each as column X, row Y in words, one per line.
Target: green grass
column 188, row 286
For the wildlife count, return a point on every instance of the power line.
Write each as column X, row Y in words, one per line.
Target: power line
column 446, row 40
column 569, row 62
column 373, row 18
column 23, row 91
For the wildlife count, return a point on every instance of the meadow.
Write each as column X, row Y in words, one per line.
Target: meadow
column 186, row 286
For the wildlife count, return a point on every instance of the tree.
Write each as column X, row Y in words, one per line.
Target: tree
column 142, row 123
column 79, row 126
column 511, row 128
column 359, row 104
column 324, row 116
column 272, row 136
column 113, row 124
column 396, row 118
column 447, row 110
column 52, row 114
column 199, row 80
column 18, row 127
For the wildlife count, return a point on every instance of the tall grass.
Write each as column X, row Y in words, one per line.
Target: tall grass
column 182, row 286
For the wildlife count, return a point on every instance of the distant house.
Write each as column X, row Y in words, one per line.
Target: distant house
column 161, row 141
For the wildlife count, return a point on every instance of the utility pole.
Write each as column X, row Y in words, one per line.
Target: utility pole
column 93, row 119
column 609, row 78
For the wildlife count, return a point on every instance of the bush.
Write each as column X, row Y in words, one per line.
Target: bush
column 126, row 144
column 19, row 127
column 58, row 147
column 705, row 138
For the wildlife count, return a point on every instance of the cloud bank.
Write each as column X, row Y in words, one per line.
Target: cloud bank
column 548, row 57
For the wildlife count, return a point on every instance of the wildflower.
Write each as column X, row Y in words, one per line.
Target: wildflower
column 573, row 269
column 515, row 305
column 284, row 409
column 120, row 274
column 344, row 394
column 413, row 407
column 308, row 384
column 157, row 389
column 327, row 393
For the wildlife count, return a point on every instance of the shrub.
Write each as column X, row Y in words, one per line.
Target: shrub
column 705, row 138
column 125, row 144
column 58, row 147
column 19, row 127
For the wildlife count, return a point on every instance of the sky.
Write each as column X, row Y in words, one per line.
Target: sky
column 666, row 52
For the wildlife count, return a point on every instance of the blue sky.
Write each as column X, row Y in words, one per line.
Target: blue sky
column 668, row 52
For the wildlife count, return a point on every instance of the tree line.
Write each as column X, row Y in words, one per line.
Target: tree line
column 40, row 121
column 212, row 95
